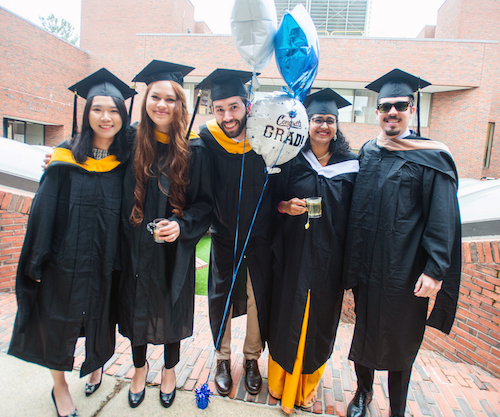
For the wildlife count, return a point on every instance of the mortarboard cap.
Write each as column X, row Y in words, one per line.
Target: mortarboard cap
column 325, row 101
column 102, row 83
column 397, row 83
column 224, row 83
column 163, row 71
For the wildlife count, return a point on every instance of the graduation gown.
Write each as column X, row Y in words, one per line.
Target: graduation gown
column 311, row 261
column 404, row 221
column 70, row 246
column 227, row 161
column 156, row 296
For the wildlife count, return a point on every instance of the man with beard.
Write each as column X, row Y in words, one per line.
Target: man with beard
column 403, row 244
column 235, row 205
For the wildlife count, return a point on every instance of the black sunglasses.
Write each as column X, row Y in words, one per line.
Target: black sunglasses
column 400, row 106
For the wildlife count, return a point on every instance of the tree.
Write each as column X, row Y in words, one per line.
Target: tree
column 64, row 29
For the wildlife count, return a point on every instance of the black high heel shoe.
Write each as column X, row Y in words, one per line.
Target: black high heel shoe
column 134, row 400
column 74, row 413
column 166, row 399
column 91, row 388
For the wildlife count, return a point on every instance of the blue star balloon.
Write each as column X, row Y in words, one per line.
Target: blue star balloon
column 297, row 51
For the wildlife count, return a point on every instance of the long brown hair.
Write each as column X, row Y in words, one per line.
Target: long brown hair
column 175, row 166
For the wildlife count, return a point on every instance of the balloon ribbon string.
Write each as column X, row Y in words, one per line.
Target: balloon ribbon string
column 235, row 269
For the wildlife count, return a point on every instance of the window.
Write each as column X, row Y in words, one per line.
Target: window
column 26, row 132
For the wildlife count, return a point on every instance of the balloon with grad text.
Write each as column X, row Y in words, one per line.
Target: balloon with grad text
column 277, row 128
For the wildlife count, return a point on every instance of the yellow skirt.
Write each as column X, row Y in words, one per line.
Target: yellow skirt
column 297, row 388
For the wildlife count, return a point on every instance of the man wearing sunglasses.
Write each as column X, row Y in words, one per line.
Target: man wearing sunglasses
column 403, row 244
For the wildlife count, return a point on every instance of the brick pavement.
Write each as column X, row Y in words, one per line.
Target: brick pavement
column 438, row 387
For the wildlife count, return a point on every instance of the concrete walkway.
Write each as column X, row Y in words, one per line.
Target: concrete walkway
column 439, row 387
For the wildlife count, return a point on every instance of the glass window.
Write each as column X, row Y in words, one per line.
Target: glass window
column 26, row 132
column 34, row 134
column 364, row 107
column 346, row 113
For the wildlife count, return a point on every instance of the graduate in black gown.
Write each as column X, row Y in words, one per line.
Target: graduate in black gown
column 403, row 244
column 225, row 136
column 64, row 277
column 307, row 288
column 168, row 177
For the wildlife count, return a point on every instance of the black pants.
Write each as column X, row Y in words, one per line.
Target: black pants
column 398, row 386
column 171, row 353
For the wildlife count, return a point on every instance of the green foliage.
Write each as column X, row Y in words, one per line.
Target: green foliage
column 202, row 252
column 63, row 29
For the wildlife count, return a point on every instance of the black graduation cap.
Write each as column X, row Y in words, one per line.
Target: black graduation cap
column 397, row 83
column 224, row 83
column 100, row 83
column 324, row 101
column 163, row 71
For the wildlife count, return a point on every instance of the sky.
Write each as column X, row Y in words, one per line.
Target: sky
column 389, row 18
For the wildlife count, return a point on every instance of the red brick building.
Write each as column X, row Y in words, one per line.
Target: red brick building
column 460, row 56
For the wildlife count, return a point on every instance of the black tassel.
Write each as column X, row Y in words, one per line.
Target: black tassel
column 131, row 105
column 418, row 109
column 74, row 129
column 194, row 114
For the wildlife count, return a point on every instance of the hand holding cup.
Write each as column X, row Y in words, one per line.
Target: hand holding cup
column 164, row 230
column 169, row 231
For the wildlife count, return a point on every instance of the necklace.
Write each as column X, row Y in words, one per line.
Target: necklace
column 324, row 156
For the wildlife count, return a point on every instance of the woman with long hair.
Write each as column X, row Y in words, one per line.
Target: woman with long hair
column 65, row 272
column 169, row 181
column 309, row 250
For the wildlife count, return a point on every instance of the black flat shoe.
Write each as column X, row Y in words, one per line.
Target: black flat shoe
column 74, row 413
column 135, row 400
column 167, row 399
column 91, row 388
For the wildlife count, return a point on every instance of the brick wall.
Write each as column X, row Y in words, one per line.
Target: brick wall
column 131, row 18
column 468, row 19
column 14, row 209
column 37, row 69
column 475, row 336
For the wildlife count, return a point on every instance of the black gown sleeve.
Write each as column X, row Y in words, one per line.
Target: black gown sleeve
column 37, row 245
column 442, row 242
column 199, row 198
column 441, row 208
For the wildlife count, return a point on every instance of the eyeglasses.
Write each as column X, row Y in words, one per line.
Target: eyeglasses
column 318, row 121
column 399, row 106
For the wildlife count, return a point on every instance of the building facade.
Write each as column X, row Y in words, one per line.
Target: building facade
column 460, row 56
column 332, row 17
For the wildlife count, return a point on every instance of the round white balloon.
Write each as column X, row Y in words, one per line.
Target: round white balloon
column 253, row 26
column 277, row 128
